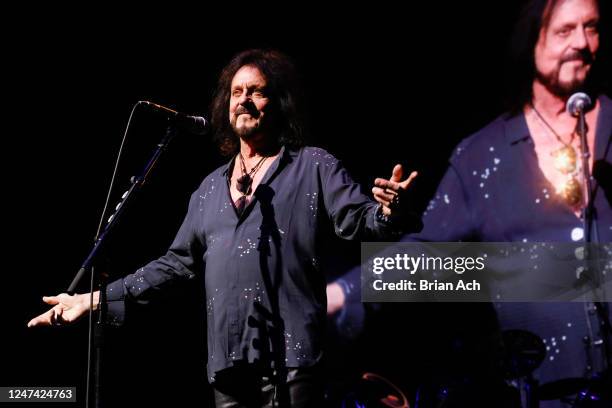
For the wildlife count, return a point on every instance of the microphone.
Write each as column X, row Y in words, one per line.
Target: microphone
column 578, row 103
column 193, row 124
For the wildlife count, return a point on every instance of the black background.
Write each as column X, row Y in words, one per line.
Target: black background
column 385, row 84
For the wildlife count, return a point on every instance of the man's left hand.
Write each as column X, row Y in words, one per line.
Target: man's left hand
column 388, row 192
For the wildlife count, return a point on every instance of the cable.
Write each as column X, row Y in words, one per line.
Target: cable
column 92, row 280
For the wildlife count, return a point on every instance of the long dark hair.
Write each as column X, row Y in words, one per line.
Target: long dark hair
column 520, row 64
column 284, row 89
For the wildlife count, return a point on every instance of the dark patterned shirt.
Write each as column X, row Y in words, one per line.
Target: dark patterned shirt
column 265, row 292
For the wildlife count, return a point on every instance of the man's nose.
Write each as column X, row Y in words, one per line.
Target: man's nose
column 579, row 39
column 244, row 98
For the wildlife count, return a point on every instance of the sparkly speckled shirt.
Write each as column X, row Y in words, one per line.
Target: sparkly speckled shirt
column 265, row 293
column 494, row 191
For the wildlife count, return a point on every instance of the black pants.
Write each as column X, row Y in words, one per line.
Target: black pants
column 248, row 387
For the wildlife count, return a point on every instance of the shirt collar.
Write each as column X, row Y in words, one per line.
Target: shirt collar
column 516, row 127
column 286, row 155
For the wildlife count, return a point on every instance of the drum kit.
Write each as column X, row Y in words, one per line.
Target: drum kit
column 523, row 353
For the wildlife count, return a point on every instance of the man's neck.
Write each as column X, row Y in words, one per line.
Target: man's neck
column 551, row 105
column 258, row 146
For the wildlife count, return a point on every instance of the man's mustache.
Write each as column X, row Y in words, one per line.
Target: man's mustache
column 584, row 56
column 243, row 109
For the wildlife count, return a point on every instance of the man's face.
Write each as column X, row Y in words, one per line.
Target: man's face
column 249, row 102
column 567, row 46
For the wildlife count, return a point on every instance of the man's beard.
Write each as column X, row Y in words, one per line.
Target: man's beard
column 558, row 88
column 564, row 89
column 244, row 132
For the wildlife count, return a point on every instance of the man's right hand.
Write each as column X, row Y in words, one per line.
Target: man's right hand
column 67, row 309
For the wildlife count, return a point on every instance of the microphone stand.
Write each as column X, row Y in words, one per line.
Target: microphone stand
column 588, row 217
column 101, row 240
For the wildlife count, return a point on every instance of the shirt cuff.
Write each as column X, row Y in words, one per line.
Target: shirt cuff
column 389, row 227
column 348, row 290
column 350, row 320
column 115, row 303
column 398, row 224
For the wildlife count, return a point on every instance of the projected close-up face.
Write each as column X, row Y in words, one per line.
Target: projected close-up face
column 568, row 45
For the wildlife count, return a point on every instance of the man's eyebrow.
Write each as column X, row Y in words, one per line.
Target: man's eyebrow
column 569, row 24
column 251, row 87
column 565, row 26
column 592, row 21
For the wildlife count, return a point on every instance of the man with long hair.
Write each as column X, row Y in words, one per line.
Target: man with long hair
column 519, row 179
column 254, row 229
